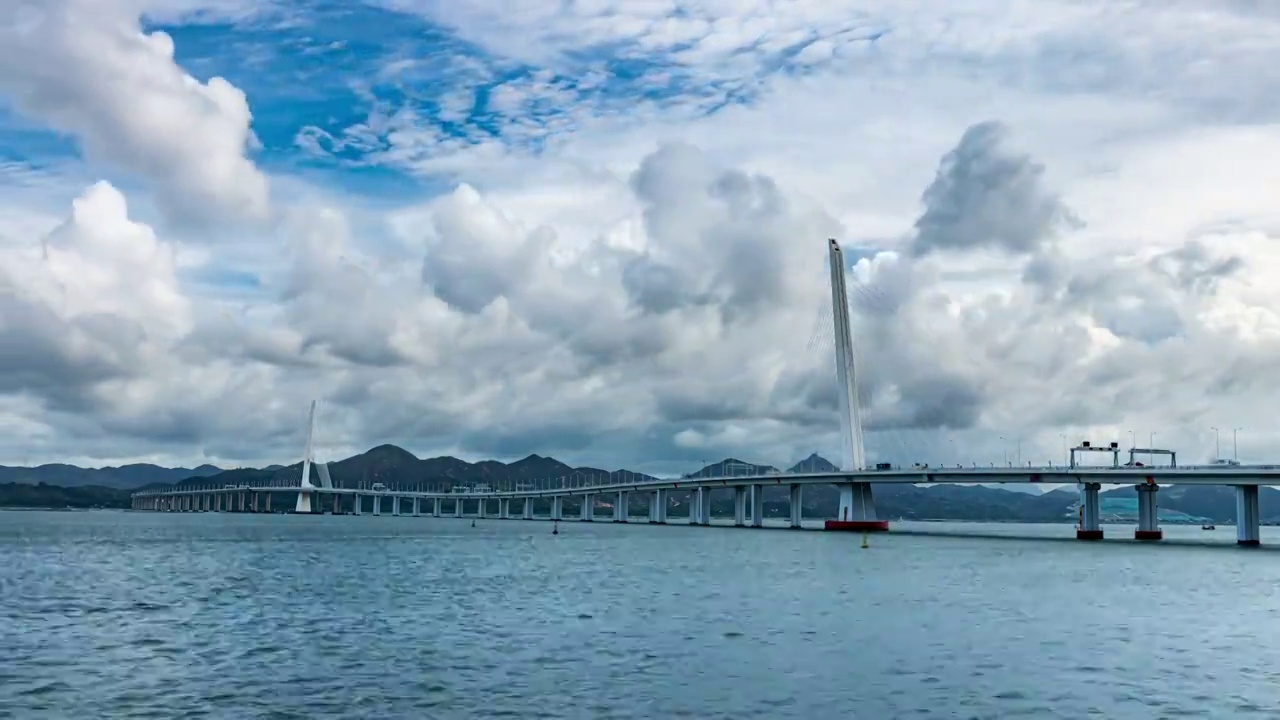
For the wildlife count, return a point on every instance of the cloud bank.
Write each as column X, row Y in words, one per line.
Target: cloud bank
column 648, row 296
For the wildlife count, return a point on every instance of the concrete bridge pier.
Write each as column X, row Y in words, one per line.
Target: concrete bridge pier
column 303, row 505
column 740, row 506
column 557, row 507
column 436, row 507
column 1248, row 525
column 700, row 506
column 797, row 505
column 527, row 513
column 457, row 507
column 355, row 505
column 857, row 510
column 1090, row 527
column 377, row 504
column 417, row 507
column 504, row 508
column 482, row 511
column 658, row 507
column 757, row 506
column 622, row 507
column 395, row 506
column 588, row 512
column 1148, row 517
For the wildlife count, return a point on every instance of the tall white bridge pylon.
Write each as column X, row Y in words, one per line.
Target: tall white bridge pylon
column 305, row 488
column 857, row 509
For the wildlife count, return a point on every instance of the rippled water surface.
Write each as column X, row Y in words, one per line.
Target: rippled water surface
column 114, row 614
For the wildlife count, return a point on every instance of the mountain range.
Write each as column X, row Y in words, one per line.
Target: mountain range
column 59, row 485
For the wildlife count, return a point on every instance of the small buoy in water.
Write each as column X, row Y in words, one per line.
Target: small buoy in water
column 865, row 544
column 555, row 530
column 473, row 523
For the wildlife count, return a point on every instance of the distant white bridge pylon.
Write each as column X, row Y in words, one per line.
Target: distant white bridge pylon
column 303, row 504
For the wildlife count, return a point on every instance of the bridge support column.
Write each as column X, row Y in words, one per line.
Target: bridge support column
column 797, row 505
column 268, row 501
column 658, row 507
column 457, row 507
column 1148, row 517
column 253, row 502
column 395, row 506
column 436, row 507
column 757, row 506
column 740, row 506
column 504, row 508
column 622, row 507
column 377, row 504
column 557, row 507
column 356, row 501
column 528, row 509
column 417, row 507
column 1090, row 527
column 303, row 505
column 482, row 511
column 704, row 506
column 857, row 510
column 1248, row 525
column 588, row 508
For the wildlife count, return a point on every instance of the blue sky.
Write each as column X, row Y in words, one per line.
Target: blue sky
column 329, row 81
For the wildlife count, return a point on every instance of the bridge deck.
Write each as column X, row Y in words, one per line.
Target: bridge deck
column 1215, row 475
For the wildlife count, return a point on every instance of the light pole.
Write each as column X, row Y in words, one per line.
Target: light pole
column 1217, row 444
column 1065, row 460
column 1235, row 449
column 1151, row 445
column 1004, row 447
column 1133, row 440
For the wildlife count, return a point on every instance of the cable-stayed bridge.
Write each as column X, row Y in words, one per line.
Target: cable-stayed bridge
column 856, row 510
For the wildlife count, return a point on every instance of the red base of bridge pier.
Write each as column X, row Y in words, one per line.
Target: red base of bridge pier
column 1088, row 534
column 1148, row 534
column 857, row 525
